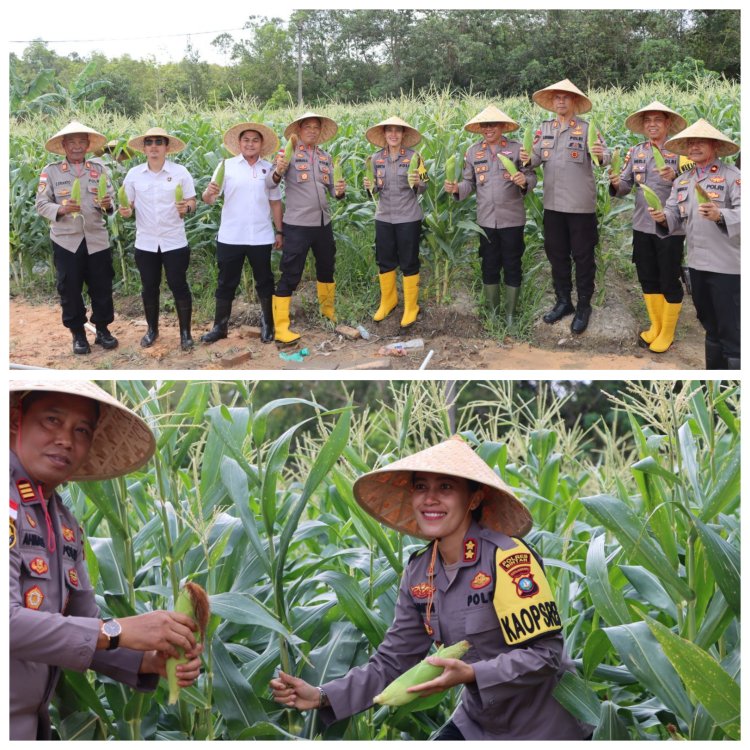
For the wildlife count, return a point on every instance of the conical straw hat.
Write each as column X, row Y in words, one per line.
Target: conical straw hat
column 386, row 493
column 376, row 134
column 635, row 121
column 96, row 140
column 702, row 129
column 122, row 440
column 328, row 127
column 492, row 114
column 545, row 97
column 174, row 146
column 270, row 139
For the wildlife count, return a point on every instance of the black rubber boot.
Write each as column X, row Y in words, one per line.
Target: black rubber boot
column 562, row 308
column 151, row 311
column 715, row 359
column 733, row 363
column 104, row 338
column 581, row 320
column 266, row 319
column 184, row 309
column 80, row 342
column 221, row 322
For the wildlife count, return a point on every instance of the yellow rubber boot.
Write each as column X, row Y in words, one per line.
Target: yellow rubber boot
column 670, row 314
column 326, row 298
column 654, row 306
column 411, row 294
column 281, row 320
column 388, row 295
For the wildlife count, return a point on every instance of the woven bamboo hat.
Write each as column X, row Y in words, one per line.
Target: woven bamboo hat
column 122, row 440
column 702, row 129
column 328, row 127
column 491, row 114
column 96, row 140
column 635, row 121
column 545, row 98
column 174, row 146
column 386, row 493
column 270, row 139
column 376, row 134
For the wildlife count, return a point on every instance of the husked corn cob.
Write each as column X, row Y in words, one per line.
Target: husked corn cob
column 178, row 195
column 218, row 175
column 509, row 166
column 651, row 198
column 658, row 158
column 701, row 195
column 396, row 693
column 122, row 197
column 193, row 602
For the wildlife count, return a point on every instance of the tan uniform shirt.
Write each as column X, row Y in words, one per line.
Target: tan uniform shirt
column 561, row 149
column 639, row 168
column 398, row 202
column 711, row 246
column 54, row 619
column 55, row 185
column 306, row 182
column 499, row 201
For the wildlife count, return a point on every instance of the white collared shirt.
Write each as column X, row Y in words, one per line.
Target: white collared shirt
column 246, row 214
column 157, row 221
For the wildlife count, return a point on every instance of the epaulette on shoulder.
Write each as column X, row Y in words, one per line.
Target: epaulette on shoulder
column 684, row 165
column 420, row 551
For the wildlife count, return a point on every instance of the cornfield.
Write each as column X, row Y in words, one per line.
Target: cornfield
column 637, row 518
column 450, row 239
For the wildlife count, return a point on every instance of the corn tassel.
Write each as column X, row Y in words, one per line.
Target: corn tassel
column 75, row 194
column 658, row 158
column 508, row 165
column 592, row 141
column 193, row 602
column 338, row 171
column 218, row 175
column 122, row 197
column 701, row 195
column 101, row 192
column 616, row 162
column 528, row 143
column 651, row 198
column 178, row 195
column 396, row 693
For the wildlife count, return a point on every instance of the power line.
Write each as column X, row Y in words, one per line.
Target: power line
column 121, row 39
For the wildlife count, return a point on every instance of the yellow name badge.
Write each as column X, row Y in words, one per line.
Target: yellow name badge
column 523, row 599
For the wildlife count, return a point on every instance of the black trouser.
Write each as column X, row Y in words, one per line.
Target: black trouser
column 297, row 241
column 397, row 246
column 175, row 264
column 231, row 258
column 96, row 271
column 573, row 236
column 449, row 731
column 716, row 297
column 658, row 263
column 501, row 249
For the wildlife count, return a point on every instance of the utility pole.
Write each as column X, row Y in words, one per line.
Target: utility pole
column 299, row 63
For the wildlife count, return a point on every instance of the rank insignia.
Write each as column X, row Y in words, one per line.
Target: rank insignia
column 25, row 490
column 73, row 577
column 33, row 598
column 716, row 180
column 572, row 123
column 480, row 580
column 555, row 124
column 39, row 566
column 422, row 590
column 68, row 534
column 470, row 550
column 64, row 166
column 13, row 535
column 684, row 182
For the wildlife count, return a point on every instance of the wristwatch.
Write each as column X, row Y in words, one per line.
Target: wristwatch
column 112, row 629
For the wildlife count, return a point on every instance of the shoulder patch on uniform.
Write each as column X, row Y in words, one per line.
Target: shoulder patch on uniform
column 13, row 534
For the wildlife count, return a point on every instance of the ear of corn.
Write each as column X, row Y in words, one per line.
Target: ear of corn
column 338, row 171
column 289, row 148
column 450, row 168
column 459, row 167
column 75, row 194
column 396, row 693
column 616, row 162
column 651, row 198
column 178, row 195
column 508, row 165
column 370, row 172
column 101, row 192
column 218, row 175
column 193, row 602
column 122, row 197
column 701, row 195
column 413, row 169
column 528, row 143
column 592, row 141
column 658, row 158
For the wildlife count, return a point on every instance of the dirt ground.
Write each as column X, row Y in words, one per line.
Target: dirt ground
column 453, row 337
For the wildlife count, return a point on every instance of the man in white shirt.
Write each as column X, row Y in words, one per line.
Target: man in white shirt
column 161, row 193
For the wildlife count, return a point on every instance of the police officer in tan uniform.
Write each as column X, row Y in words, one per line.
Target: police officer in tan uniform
column 500, row 207
column 658, row 260
column 308, row 180
column 570, row 229
column 80, row 242
column 713, row 236
column 398, row 218
column 60, row 431
column 476, row 580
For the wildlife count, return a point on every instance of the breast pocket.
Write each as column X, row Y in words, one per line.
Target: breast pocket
column 547, row 147
column 482, row 630
column 576, row 152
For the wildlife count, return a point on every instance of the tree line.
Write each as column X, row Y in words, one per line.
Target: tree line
column 358, row 55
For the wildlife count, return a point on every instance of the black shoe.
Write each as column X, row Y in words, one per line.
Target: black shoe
column 563, row 307
column 266, row 320
column 216, row 333
column 80, row 342
column 104, row 338
column 581, row 320
column 221, row 322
